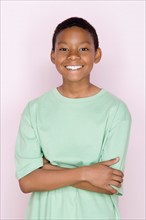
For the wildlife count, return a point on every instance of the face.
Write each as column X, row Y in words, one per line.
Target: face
column 74, row 54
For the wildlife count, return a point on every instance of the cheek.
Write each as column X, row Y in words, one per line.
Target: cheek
column 60, row 58
column 88, row 57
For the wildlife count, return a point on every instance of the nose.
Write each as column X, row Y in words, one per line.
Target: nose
column 73, row 55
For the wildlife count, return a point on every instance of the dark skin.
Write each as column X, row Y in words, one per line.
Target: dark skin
column 88, row 186
column 74, row 57
column 74, row 46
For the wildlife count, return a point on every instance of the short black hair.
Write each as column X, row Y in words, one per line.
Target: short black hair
column 78, row 22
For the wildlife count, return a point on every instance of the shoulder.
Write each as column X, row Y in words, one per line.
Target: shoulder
column 117, row 107
column 38, row 103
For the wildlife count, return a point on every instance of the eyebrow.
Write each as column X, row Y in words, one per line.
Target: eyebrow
column 84, row 42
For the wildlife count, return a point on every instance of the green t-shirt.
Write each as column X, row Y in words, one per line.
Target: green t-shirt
column 72, row 132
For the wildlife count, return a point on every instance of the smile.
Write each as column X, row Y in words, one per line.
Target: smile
column 73, row 67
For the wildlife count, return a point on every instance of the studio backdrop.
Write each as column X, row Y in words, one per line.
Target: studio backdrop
column 27, row 72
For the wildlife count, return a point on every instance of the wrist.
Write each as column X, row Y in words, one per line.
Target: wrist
column 83, row 173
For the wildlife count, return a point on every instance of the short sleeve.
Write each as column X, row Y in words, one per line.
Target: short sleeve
column 117, row 138
column 28, row 155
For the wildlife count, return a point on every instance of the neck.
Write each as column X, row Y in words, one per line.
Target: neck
column 77, row 89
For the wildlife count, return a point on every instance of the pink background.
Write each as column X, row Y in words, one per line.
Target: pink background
column 27, row 28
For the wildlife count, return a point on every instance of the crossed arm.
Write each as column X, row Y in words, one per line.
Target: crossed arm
column 98, row 177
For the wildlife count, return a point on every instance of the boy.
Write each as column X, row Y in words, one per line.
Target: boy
column 69, row 136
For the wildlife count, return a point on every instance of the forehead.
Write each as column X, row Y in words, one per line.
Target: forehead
column 74, row 34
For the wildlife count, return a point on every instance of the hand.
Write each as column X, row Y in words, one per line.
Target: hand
column 103, row 176
column 45, row 161
column 99, row 168
column 48, row 166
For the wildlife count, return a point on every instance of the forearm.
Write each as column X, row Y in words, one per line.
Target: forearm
column 80, row 185
column 45, row 180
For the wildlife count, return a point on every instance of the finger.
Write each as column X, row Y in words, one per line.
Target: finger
column 111, row 189
column 46, row 166
column 117, row 178
column 111, row 162
column 115, row 183
column 118, row 173
column 45, row 161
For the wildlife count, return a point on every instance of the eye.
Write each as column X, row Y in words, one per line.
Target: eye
column 63, row 49
column 84, row 49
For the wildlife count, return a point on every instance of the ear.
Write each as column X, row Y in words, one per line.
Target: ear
column 52, row 56
column 98, row 55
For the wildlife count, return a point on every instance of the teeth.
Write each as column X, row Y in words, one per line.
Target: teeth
column 73, row 67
